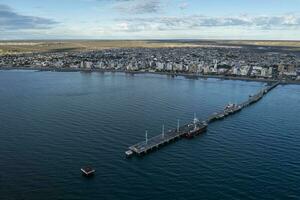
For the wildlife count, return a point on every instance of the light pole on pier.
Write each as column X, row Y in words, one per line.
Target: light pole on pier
column 146, row 135
column 195, row 120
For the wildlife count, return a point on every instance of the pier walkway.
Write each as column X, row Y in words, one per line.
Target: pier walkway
column 251, row 100
column 156, row 142
column 164, row 138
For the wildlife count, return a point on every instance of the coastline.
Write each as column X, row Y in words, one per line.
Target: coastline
column 186, row 75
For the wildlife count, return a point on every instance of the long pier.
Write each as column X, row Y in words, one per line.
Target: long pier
column 142, row 148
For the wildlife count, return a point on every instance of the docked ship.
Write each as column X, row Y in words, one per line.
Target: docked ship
column 196, row 128
column 231, row 108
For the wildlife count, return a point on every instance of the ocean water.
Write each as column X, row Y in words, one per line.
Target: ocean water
column 54, row 123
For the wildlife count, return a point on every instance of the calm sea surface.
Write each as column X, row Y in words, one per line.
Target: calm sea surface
column 52, row 124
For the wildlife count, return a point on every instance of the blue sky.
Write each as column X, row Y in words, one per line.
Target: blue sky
column 150, row 19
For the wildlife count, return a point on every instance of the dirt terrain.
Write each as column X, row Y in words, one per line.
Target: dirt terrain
column 17, row 47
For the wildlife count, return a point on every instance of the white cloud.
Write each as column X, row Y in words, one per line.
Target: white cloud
column 144, row 20
column 11, row 20
column 139, row 6
column 194, row 22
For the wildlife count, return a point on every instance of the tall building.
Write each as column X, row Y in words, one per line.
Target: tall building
column 215, row 65
column 270, row 71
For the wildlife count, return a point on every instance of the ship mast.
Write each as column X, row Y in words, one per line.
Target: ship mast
column 195, row 120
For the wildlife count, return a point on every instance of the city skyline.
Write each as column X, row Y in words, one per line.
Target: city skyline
column 152, row 19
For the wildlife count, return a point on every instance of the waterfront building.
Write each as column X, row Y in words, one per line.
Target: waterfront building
column 169, row 66
column 244, row 70
column 235, row 71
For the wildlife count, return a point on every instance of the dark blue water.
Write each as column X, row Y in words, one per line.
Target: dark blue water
column 52, row 124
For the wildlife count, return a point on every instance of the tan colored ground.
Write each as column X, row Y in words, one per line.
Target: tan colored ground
column 266, row 43
column 15, row 47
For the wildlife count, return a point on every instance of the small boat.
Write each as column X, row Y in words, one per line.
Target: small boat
column 88, row 171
